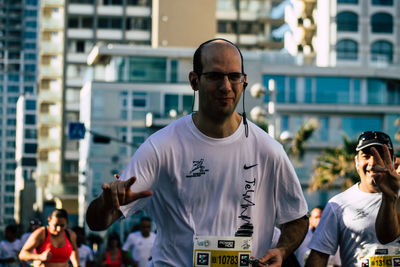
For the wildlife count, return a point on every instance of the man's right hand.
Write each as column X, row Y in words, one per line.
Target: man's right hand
column 119, row 193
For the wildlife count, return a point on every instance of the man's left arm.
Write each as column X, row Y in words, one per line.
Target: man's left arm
column 292, row 234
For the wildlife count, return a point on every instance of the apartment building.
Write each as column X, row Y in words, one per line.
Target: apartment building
column 344, row 32
column 18, row 76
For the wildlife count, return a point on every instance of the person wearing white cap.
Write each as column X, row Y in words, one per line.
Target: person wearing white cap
column 348, row 220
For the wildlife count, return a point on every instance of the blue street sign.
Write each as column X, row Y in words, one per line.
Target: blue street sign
column 76, row 130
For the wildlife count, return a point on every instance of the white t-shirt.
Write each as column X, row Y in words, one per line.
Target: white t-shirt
column 10, row 250
column 85, row 254
column 208, row 186
column 348, row 221
column 140, row 247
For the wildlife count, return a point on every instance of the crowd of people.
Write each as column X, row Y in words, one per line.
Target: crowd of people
column 212, row 179
column 54, row 245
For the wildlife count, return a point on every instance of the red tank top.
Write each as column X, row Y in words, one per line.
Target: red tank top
column 110, row 263
column 60, row 254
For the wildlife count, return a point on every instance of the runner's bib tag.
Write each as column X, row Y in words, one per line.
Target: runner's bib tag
column 214, row 251
column 384, row 256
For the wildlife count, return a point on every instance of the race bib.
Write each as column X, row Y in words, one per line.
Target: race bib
column 384, row 256
column 216, row 251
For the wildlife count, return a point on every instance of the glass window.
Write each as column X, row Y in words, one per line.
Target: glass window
column 30, row 105
column 171, row 102
column 87, row 22
column 139, row 100
column 292, row 90
column 308, row 90
column 347, row 1
column 356, row 91
column 382, row 51
column 279, row 87
column 30, row 119
column 12, row 89
column 382, row 23
column 284, row 123
column 73, row 22
column 30, row 133
column 335, row 90
column 147, row 69
column 13, row 77
column 347, row 21
column 187, row 103
column 174, row 71
column 353, row 126
column 30, row 148
column 347, row 49
column 376, row 91
column 382, row 2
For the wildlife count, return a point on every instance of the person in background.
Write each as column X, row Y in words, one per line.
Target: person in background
column 33, row 225
column 10, row 247
column 303, row 251
column 52, row 245
column 86, row 257
column 140, row 243
column 348, row 220
column 211, row 173
column 387, row 224
column 113, row 256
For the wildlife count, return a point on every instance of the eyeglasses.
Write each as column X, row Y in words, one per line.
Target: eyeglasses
column 216, row 77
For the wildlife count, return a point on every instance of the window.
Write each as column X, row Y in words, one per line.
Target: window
column 12, row 89
column 139, row 100
column 353, row 126
column 73, row 22
column 335, row 90
column 347, row 1
column 347, row 21
column 29, row 68
column 382, row 2
column 30, row 133
column 376, row 91
column 30, row 119
column 11, row 122
column 30, row 148
column 80, row 46
column 382, row 51
column 30, row 105
column 87, row 22
column 382, row 23
column 29, row 46
column 347, row 49
column 171, row 102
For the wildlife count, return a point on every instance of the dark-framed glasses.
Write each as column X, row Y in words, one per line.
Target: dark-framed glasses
column 217, row 77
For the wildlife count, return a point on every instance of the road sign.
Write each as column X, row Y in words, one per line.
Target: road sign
column 76, row 130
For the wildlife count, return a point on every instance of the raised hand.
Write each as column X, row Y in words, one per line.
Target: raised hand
column 119, row 193
column 389, row 180
column 45, row 255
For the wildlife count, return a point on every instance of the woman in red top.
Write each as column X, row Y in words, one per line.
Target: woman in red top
column 114, row 256
column 52, row 245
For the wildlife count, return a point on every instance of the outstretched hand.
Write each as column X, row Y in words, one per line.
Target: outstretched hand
column 389, row 181
column 119, row 193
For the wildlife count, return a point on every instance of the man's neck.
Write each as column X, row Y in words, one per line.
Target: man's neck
column 217, row 129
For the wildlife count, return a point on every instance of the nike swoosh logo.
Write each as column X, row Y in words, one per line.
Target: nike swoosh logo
column 249, row 167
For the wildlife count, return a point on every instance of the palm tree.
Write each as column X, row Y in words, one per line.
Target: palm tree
column 296, row 148
column 335, row 167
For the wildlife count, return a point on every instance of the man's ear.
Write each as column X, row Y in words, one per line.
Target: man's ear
column 193, row 78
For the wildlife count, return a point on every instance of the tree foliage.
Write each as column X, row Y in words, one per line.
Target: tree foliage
column 335, row 167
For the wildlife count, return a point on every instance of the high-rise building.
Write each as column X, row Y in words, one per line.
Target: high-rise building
column 25, row 208
column 70, row 29
column 344, row 32
column 18, row 76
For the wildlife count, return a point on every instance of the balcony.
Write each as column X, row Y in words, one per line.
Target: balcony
column 51, row 47
column 50, row 95
column 52, row 24
column 50, row 71
column 53, row 3
column 49, row 143
column 49, row 118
